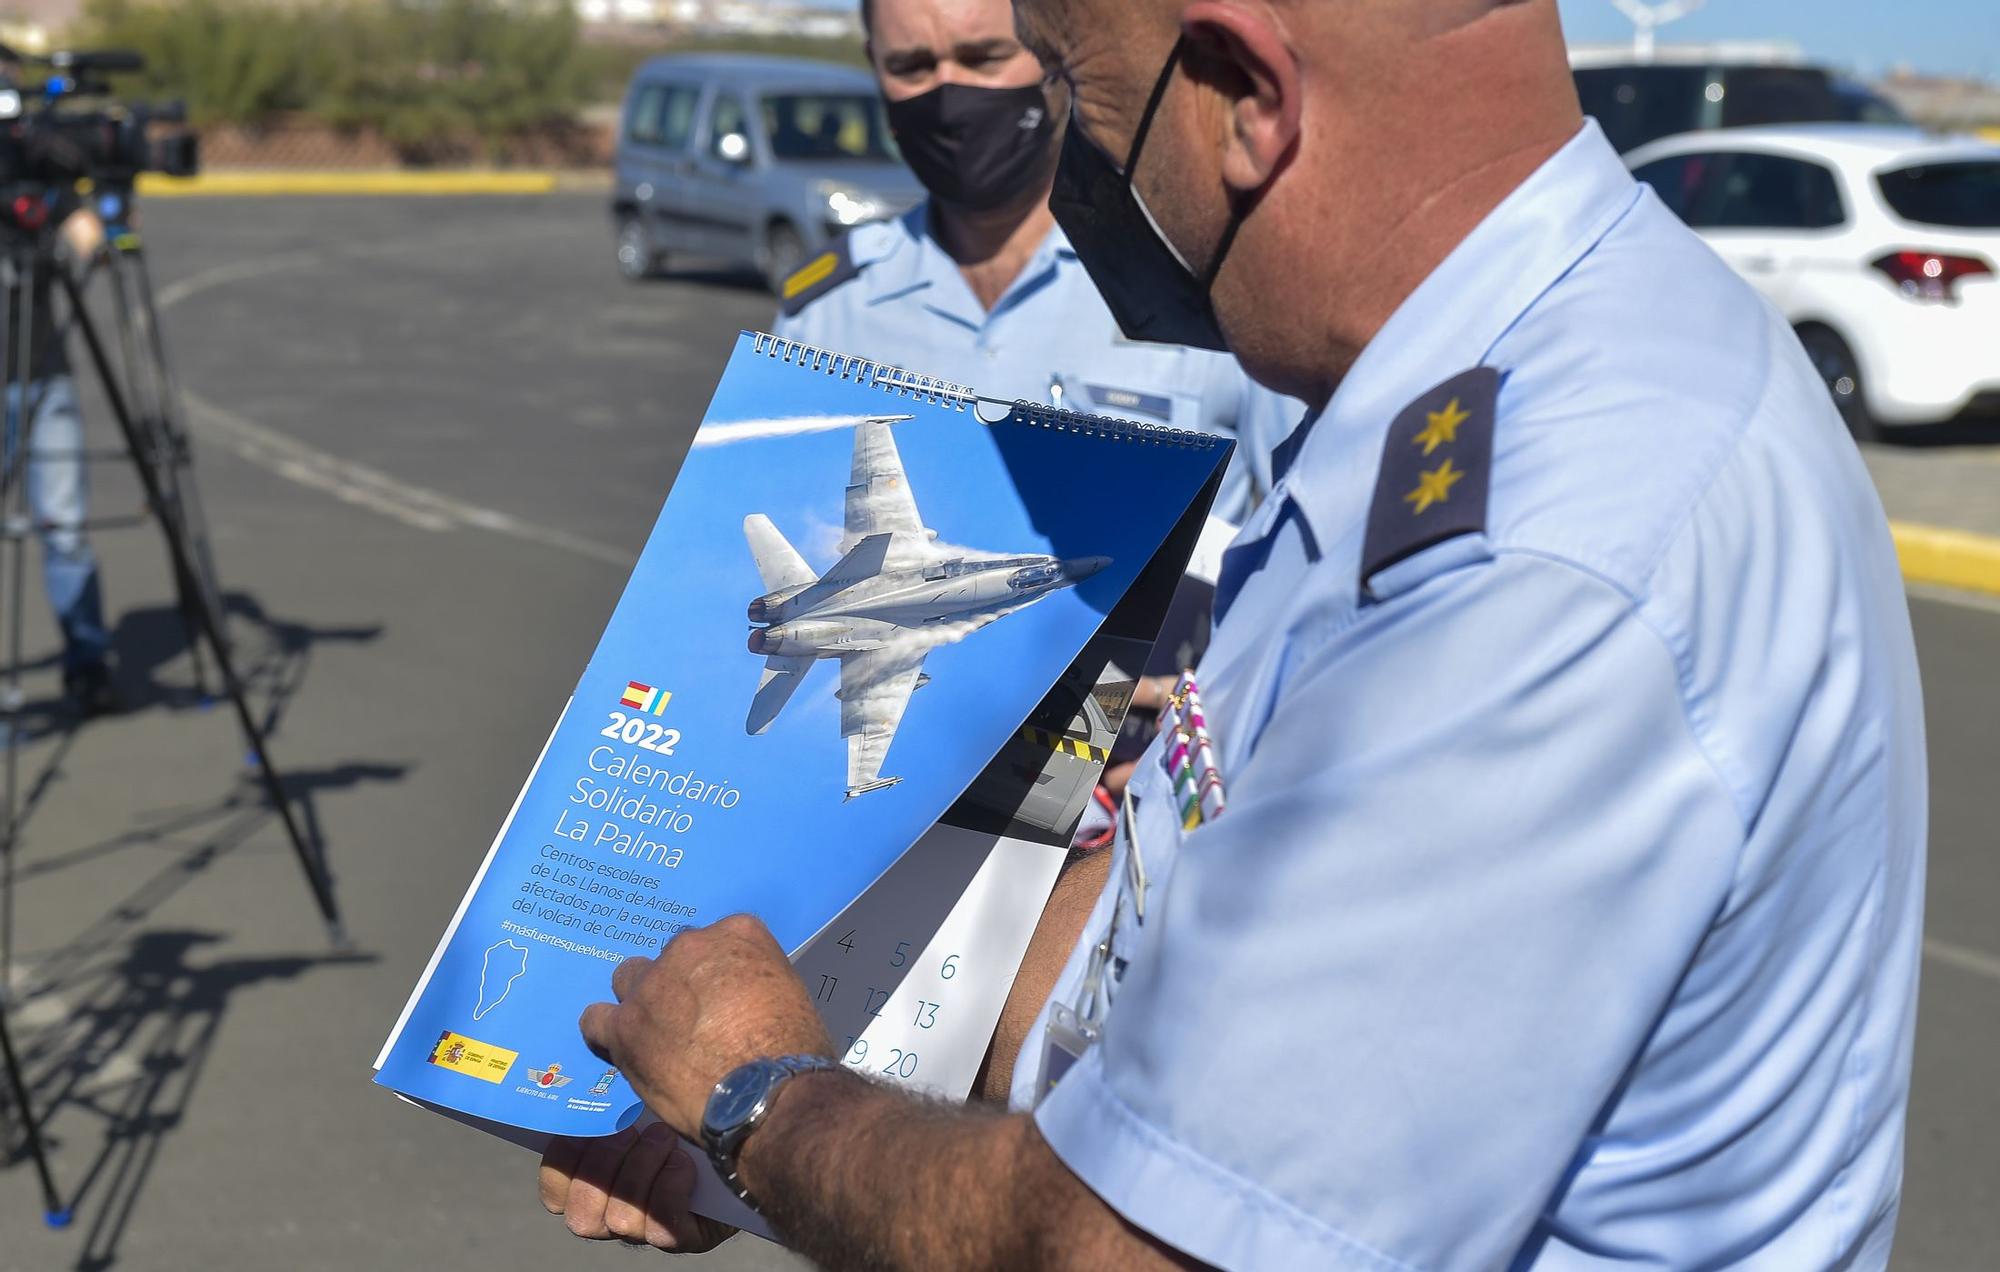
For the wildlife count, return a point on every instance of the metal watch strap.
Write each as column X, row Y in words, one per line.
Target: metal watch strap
column 725, row 1160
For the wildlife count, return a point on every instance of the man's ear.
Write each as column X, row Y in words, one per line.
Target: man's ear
column 1240, row 51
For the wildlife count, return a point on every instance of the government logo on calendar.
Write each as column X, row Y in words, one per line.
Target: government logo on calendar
column 549, row 1077
column 644, row 698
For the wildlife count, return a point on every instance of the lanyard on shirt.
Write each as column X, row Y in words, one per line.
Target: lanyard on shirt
column 1188, row 754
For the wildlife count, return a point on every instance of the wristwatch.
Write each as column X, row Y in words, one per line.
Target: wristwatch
column 737, row 1106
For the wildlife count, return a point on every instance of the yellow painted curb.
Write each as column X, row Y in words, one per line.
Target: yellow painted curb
column 1948, row 558
column 154, row 185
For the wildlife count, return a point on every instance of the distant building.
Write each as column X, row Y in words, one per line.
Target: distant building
column 1942, row 101
column 36, row 26
column 1713, row 53
column 725, row 17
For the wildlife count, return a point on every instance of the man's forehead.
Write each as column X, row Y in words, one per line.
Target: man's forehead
column 941, row 22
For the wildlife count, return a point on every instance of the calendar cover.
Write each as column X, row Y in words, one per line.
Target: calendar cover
column 861, row 585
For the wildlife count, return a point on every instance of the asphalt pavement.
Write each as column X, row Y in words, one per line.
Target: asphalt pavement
column 432, row 433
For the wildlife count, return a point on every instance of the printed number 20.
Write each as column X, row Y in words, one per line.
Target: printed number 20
column 643, row 734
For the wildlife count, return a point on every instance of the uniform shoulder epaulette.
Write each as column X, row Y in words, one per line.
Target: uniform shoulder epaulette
column 1436, row 463
column 819, row 276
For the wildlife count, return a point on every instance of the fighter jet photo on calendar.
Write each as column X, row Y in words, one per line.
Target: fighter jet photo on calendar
column 895, row 594
column 685, row 778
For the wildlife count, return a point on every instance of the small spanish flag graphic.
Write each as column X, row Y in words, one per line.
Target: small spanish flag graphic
column 471, row 1057
column 645, row 698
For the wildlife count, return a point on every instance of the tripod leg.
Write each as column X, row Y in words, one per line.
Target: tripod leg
column 53, row 1211
column 167, row 386
column 13, row 518
column 181, row 555
column 146, row 395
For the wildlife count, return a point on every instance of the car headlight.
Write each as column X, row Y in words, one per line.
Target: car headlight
column 848, row 205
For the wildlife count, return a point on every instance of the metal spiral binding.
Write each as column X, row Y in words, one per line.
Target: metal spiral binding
column 959, row 397
column 1103, row 426
column 880, row 375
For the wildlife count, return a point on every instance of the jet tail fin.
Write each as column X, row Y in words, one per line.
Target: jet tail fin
column 781, row 679
column 778, row 561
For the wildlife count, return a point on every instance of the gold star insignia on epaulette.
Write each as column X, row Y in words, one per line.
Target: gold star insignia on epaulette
column 1433, row 486
column 1442, row 427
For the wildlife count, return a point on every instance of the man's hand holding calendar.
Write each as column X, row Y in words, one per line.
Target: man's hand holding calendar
column 715, row 998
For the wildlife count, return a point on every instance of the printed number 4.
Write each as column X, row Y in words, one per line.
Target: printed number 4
column 643, row 734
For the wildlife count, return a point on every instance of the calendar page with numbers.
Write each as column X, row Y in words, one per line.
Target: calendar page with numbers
column 875, row 611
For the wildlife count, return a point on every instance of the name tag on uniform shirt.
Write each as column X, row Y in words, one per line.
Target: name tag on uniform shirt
column 1157, row 405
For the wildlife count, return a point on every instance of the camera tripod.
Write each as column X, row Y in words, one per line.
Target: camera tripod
column 143, row 401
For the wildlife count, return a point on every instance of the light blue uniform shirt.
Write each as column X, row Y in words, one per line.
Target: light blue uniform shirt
column 1566, row 909
column 1048, row 339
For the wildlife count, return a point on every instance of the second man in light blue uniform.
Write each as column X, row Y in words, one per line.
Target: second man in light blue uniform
column 977, row 285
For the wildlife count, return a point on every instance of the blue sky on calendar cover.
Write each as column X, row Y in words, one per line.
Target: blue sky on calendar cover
column 502, row 999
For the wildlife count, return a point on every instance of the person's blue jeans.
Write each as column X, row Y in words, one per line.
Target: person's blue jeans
column 58, row 503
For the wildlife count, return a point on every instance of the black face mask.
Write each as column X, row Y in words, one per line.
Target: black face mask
column 974, row 147
column 1145, row 281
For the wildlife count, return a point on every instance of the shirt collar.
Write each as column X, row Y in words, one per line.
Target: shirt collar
column 913, row 262
column 1453, row 319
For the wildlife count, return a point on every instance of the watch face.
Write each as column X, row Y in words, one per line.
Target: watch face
column 736, row 1097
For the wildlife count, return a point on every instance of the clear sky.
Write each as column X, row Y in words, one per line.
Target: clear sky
column 1945, row 37
column 1941, row 37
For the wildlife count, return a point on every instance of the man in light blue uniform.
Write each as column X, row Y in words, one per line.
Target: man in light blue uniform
column 1019, row 317
column 1564, row 906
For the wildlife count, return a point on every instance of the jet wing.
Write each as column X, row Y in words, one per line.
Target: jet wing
column 875, row 687
column 879, row 500
column 781, row 679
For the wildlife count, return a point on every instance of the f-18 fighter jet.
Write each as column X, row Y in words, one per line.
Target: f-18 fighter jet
column 894, row 595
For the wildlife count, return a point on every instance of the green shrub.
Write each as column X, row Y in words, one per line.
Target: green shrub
column 421, row 74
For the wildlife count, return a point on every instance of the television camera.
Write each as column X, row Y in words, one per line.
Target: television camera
column 50, row 143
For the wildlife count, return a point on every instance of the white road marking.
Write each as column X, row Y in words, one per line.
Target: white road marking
column 1978, row 962
column 357, row 484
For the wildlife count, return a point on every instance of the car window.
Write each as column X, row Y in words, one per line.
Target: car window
column 662, row 115
column 1858, row 104
column 1962, row 195
column 1777, row 95
column 1638, row 104
column 642, row 114
column 677, row 116
column 725, row 119
column 1735, row 190
column 827, row 126
column 1679, row 180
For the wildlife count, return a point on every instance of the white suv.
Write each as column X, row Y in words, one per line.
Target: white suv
column 1879, row 244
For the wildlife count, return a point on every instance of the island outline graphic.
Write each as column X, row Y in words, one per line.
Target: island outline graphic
column 490, row 971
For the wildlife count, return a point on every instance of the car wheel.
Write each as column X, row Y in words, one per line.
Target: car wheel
column 784, row 253
column 1836, row 366
column 637, row 257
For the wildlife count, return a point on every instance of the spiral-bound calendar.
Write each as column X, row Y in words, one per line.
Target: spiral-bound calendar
column 876, row 610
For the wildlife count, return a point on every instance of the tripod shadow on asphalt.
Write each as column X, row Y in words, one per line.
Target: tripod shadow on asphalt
column 117, row 1022
column 123, row 1067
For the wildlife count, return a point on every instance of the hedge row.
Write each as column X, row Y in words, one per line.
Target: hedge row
column 416, row 73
